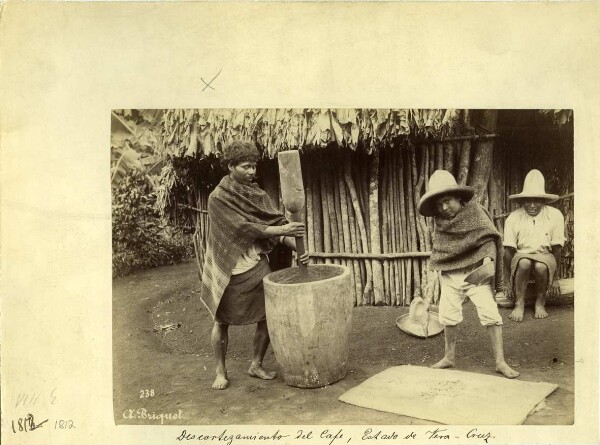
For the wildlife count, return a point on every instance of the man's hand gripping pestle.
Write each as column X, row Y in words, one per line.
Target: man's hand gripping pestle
column 292, row 194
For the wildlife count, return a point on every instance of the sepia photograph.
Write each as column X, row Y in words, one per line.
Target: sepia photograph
column 299, row 222
column 343, row 266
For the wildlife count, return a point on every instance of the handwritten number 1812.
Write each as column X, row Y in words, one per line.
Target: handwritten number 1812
column 63, row 425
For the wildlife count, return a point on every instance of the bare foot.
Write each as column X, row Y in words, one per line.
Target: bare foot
column 517, row 313
column 221, row 382
column 261, row 373
column 540, row 312
column 443, row 363
column 506, row 370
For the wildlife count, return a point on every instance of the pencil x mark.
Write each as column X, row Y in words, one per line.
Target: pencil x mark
column 208, row 85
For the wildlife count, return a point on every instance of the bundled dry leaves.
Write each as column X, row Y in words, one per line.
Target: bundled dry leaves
column 189, row 133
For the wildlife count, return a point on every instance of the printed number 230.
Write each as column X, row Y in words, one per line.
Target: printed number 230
column 144, row 393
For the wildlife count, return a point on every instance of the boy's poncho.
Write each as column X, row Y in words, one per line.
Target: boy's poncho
column 238, row 215
column 466, row 239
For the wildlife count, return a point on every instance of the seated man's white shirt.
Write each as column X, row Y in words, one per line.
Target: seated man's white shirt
column 528, row 234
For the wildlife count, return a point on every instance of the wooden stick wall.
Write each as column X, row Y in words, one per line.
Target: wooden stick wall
column 362, row 210
column 362, row 213
column 201, row 231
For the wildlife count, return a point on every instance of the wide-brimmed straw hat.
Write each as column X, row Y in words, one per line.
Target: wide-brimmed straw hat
column 420, row 321
column 534, row 187
column 442, row 182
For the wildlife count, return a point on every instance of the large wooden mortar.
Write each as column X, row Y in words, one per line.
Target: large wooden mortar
column 310, row 319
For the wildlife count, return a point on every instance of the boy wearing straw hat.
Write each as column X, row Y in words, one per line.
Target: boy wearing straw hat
column 533, row 238
column 464, row 239
column 244, row 226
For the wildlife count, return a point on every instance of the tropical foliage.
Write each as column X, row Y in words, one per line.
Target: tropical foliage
column 142, row 238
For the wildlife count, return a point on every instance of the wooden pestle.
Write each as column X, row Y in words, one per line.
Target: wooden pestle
column 292, row 192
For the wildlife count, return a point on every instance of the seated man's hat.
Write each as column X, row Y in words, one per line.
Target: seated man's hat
column 442, row 182
column 534, row 188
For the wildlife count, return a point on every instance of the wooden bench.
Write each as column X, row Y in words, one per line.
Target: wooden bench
column 565, row 297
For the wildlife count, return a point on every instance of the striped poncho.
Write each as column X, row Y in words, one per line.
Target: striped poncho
column 238, row 215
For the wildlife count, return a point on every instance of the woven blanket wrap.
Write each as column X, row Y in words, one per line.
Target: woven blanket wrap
column 466, row 239
column 238, row 215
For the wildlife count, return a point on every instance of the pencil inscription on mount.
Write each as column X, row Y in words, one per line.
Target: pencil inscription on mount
column 209, row 83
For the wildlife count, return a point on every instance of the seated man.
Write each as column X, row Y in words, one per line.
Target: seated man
column 533, row 238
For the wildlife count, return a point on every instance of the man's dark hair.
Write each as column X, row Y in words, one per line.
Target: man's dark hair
column 238, row 152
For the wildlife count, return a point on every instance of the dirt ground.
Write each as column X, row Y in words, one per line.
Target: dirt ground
column 161, row 347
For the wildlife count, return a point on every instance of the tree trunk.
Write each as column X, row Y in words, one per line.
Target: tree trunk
column 431, row 155
column 439, row 156
column 398, row 215
column 325, row 208
column 345, row 221
column 374, row 224
column 368, row 289
column 316, row 205
column 385, row 222
column 481, row 168
column 422, row 179
column 496, row 190
column 464, row 163
column 310, row 227
column 357, row 282
column 449, row 157
column 405, row 226
column 412, row 264
column 483, row 156
column 333, row 215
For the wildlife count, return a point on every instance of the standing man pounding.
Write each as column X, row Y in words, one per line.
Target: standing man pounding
column 534, row 236
column 245, row 225
column 464, row 238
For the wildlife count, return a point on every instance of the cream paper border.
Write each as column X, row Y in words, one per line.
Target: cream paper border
column 65, row 66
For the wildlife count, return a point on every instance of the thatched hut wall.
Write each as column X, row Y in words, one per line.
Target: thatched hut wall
column 364, row 173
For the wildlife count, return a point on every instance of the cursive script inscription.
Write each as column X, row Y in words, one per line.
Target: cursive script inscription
column 231, row 438
column 30, row 399
column 332, row 437
column 143, row 413
column 475, row 434
column 437, row 434
column 370, row 435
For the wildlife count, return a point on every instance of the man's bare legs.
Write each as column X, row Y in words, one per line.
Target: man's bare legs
column 261, row 343
column 521, row 279
column 219, row 339
column 450, row 354
column 495, row 334
column 540, row 271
